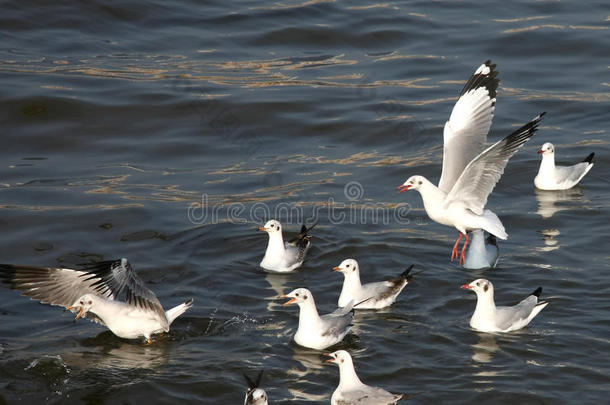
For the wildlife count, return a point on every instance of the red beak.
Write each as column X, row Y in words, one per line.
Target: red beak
column 466, row 287
column 402, row 188
column 540, row 151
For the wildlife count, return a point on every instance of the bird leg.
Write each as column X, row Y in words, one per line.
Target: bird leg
column 463, row 256
column 454, row 252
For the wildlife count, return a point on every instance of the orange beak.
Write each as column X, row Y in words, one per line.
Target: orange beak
column 402, row 188
column 336, row 268
column 262, row 228
column 80, row 314
column 331, row 360
column 292, row 300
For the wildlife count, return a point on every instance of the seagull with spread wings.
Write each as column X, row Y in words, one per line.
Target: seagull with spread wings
column 470, row 169
column 108, row 292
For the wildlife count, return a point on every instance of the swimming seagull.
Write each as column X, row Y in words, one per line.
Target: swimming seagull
column 315, row 331
column 284, row 257
column 489, row 318
column 470, row 173
column 376, row 295
column 482, row 251
column 109, row 293
column 255, row 395
column 351, row 390
column 551, row 177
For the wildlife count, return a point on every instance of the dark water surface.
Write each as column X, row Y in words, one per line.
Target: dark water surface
column 165, row 132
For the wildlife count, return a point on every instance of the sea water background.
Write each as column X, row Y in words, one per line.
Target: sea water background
column 166, row 132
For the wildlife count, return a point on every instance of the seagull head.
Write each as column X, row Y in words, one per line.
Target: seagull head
column 298, row 296
column 546, row 149
column 412, row 183
column 271, row 226
column 256, row 396
column 339, row 357
column 83, row 304
column 348, row 267
column 480, row 286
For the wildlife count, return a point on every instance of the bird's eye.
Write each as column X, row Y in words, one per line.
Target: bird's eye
column 347, row 266
column 297, row 294
column 80, row 302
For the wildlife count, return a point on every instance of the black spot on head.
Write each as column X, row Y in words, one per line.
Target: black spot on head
column 486, row 287
column 419, row 183
column 305, row 297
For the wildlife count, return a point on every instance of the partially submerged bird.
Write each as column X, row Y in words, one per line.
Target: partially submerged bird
column 109, row 293
column 280, row 256
column 255, row 395
column 552, row 177
column 375, row 295
column 315, row 331
column 352, row 391
column 487, row 317
column 482, row 251
column 470, row 170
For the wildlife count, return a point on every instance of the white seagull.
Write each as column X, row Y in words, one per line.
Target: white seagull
column 482, row 251
column 109, row 293
column 469, row 172
column 551, row 177
column 283, row 257
column 315, row 331
column 255, row 395
column 487, row 317
column 376, row 295
column 352, row 391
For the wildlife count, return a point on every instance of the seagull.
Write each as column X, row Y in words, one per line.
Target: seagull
column 95, row 293
column 283, row 257
column 551, row 177
column 489, row 318
column 482, row 252
column 376, row 295
column 470, row 173
column 315, row 331
column 352, row 391
column 255, row 395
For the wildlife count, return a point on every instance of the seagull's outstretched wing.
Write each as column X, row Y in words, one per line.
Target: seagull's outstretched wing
column 481, row 175
column 112, row 280
column 465, row 134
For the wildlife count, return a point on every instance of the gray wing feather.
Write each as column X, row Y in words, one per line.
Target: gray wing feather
column 507, row 316
column 338, row 321
column 481, row 175
column 370, row 396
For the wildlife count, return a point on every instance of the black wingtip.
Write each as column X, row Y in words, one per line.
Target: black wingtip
column 254, row 384
column 405, row 274
column 310, row 228
column 488, row 80
column 589, row 159
column 537, row 292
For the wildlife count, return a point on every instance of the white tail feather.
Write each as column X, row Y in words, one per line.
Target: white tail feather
column 491, row 223
column 178, row 310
